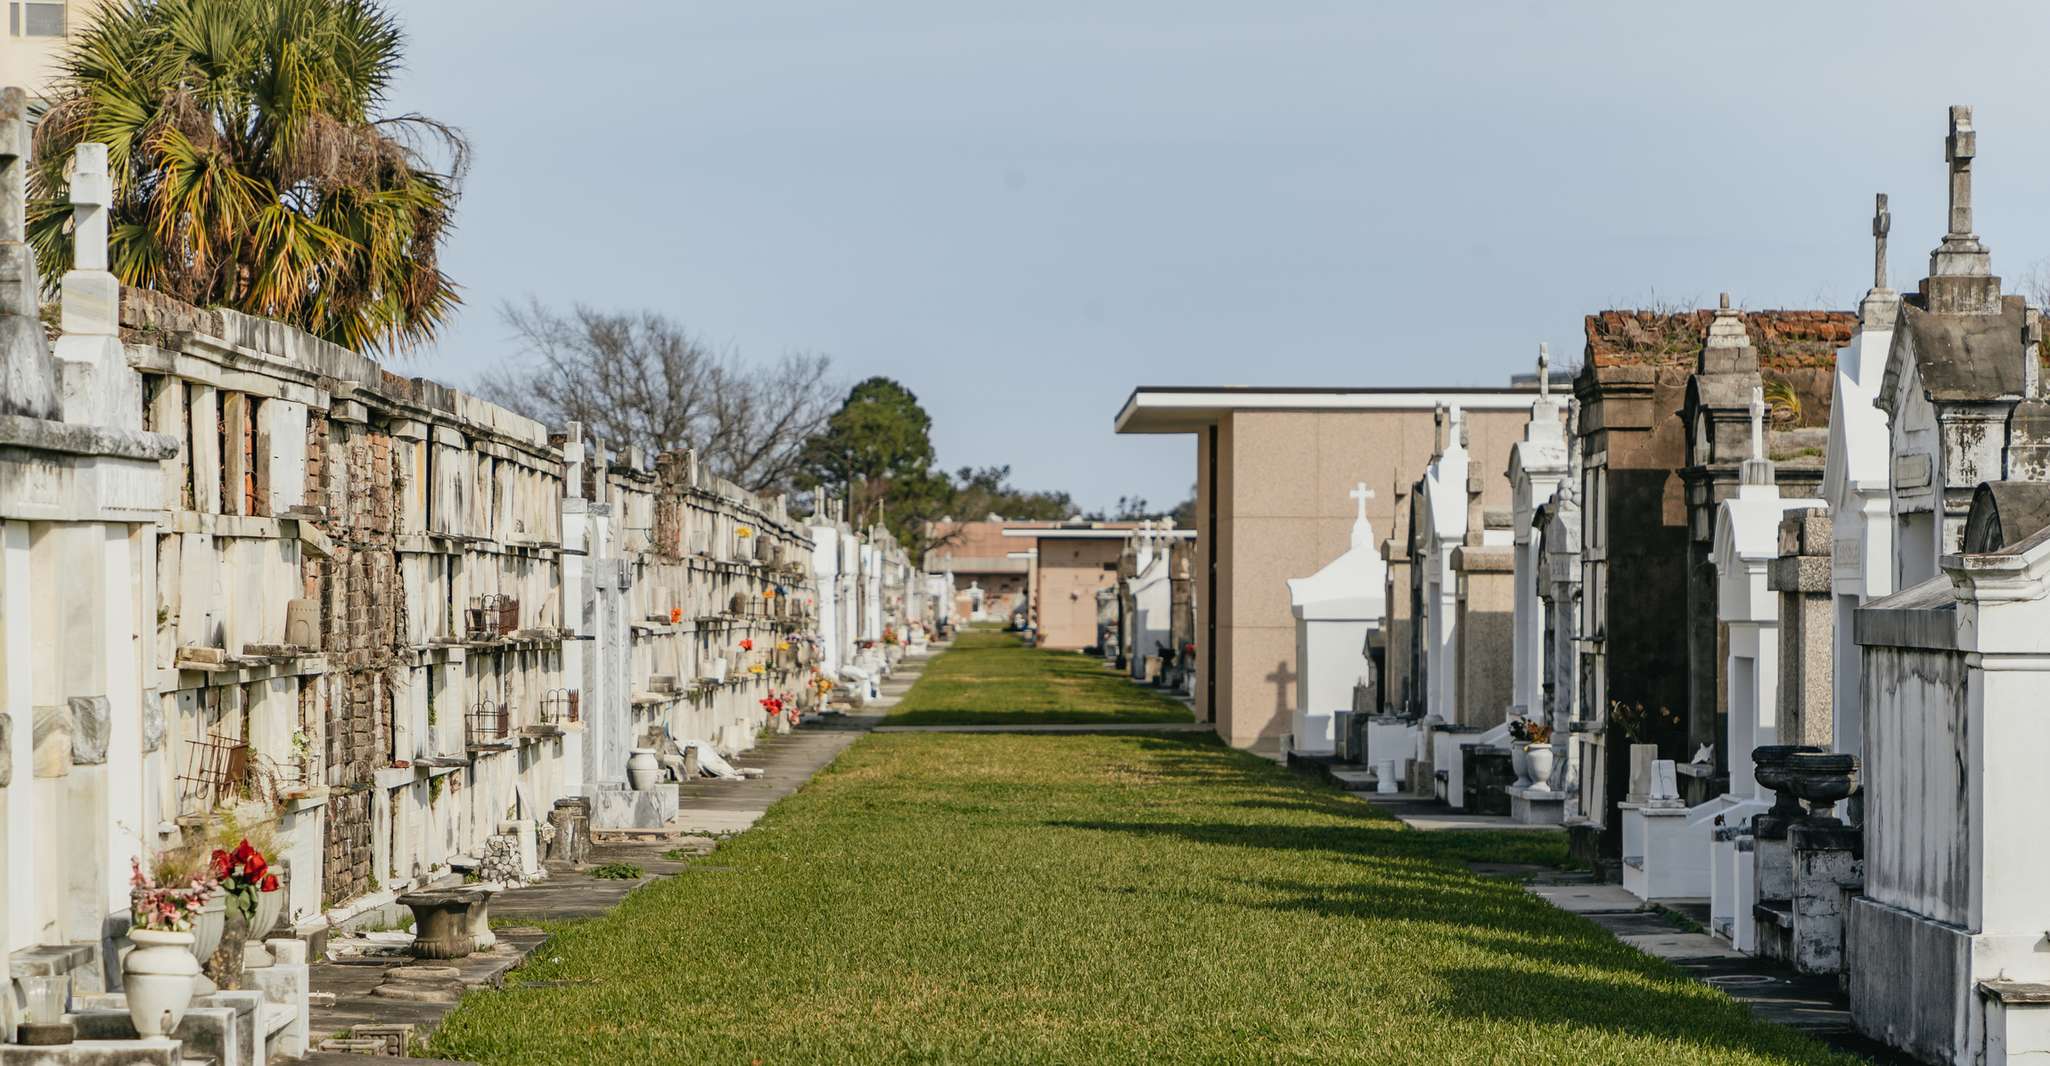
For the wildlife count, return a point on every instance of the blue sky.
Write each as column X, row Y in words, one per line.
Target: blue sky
column 1024, row 210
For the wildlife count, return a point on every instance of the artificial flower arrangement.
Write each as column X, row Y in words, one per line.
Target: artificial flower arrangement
column 169, row 896
column 747, row 644
column 244, row 873
column 782, row 645
column 890, row 635
column 743, row 531
column 757, row 668
column 769, row 593
column 675, row 615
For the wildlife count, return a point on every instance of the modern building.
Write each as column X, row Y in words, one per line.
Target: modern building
column 1273, row 466
column 1070, row 563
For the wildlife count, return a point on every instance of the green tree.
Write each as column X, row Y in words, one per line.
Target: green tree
column 876, row 453
column 253, row 166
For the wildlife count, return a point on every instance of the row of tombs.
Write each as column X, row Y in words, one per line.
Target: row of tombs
column 252, row 585
column 1775, row 662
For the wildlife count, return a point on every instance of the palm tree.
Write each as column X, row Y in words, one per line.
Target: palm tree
column 251, row 168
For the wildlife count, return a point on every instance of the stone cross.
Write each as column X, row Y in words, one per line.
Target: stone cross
column 1757, row 422
column 1544, row 370
column 1362, row 530
column 1724, row 305
column 17, row 267
column 91, row 191
column 1361, row 494
column 1958, row 150
column 1882, row 221
column 1437, row 431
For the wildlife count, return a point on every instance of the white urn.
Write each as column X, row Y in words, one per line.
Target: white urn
column 1542, row 759
column 643, row 770
column 157, row 977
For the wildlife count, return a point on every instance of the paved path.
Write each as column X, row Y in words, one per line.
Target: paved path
column 1775, row 993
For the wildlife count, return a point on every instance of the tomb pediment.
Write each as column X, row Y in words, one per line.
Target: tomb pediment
column 1958, row 358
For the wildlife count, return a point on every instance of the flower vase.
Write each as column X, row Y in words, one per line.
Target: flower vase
column 270, row 906
column 1519, row 759
column 1541, row 758
column 158, row 976
column 207, row 927
column 224, row 966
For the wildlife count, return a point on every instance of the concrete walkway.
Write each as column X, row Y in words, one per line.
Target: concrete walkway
column 1774, row 993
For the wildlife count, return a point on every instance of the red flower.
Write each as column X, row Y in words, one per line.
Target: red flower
column 223, row 865
column 747, row 645
column 269, row 883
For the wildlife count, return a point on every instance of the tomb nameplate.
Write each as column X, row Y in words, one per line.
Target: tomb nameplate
column 1911, row 471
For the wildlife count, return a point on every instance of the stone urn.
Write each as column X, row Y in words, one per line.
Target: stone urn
column 441, row 923
column 1519, row 760
column 1769, row 766
column 270, row 906
column 1821, row 779
column 480, row 916
column 207, row 930
column 1541, row 759
column 158, row 976
column 643, row 770
column 224, row 966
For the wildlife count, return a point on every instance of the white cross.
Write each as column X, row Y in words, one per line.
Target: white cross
column 1361, row 493
column 1544, row 370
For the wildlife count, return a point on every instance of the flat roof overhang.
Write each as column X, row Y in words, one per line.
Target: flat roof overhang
column 1186, row 409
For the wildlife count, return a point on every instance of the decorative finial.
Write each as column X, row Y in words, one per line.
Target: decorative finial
column 1544, row 370
column 1725, row 304
column 1882, row 222
column 1958, row 150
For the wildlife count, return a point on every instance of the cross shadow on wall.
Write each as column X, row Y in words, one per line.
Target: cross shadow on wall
column 1283, row 679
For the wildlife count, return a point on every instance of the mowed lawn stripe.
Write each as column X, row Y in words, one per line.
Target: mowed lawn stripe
column 1009, row 898
column 989, row 677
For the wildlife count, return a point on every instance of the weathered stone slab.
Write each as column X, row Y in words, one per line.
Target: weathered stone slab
column 52, row 740
column 91, row 728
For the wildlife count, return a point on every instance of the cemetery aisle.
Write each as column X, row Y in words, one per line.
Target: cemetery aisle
column 989, row 677
column 1021, row 898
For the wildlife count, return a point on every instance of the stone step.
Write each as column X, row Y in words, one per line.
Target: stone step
column 157, row 1052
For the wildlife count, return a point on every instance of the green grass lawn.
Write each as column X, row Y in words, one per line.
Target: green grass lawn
column 1096, row 899
column 988, row 677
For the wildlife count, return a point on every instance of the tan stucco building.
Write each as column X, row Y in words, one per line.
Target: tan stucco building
column 1069, row 564
column 1273, row 469
column 37, row 33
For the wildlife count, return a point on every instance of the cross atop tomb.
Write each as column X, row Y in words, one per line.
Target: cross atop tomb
column 1362, row 529
column 1882, row 223
column 1544, row 370
column 91, row 191
column 1437, row 430
column 1958, row 150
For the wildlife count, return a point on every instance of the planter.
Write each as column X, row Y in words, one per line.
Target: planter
column 1540, row 758
column 643, row 770
column 1519, row 760
column 270, row 906
column 158, row 976
column 224, row 966
column 481, row 935
column 441, row 924
column 206, row 932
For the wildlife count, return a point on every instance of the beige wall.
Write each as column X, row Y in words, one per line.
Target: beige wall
column 1070, row 572
column 31, row 62
column 1284, row 512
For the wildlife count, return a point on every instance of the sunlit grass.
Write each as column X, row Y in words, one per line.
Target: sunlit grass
column 1099, row 899
column 989, row 677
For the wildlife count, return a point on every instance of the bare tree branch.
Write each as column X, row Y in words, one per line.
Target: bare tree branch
column 641, row 379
